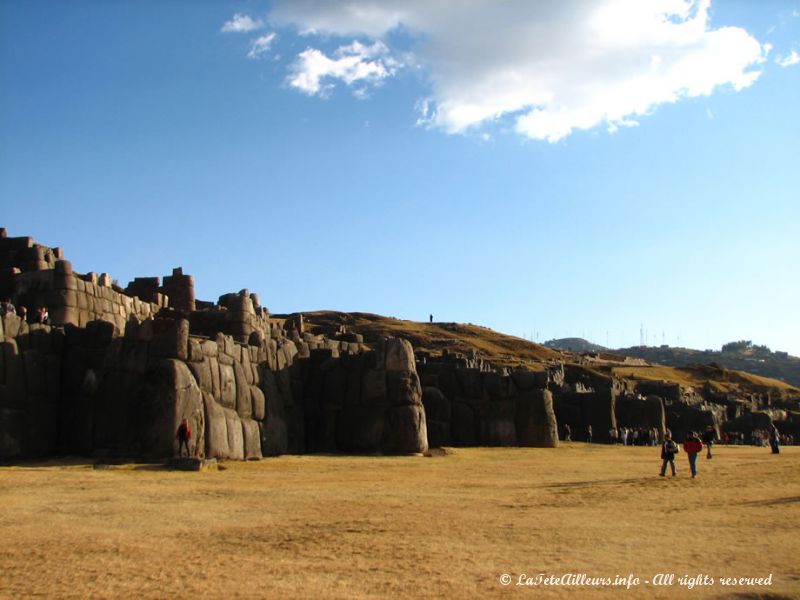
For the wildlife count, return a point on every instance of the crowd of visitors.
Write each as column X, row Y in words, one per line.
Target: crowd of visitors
column 758, row 437
column 634, row 436
column 39, row 315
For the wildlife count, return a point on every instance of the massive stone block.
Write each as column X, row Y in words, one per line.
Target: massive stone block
column 227, row 384
column 360, row 428
column 170, row 394
column 274, row 432
column 403, row 388
column 497, row 427
column 373, row 387
column 528, row 380
column 244, row 404
column 251, row 439
column 170, row 338
column 438, row 415
column 632, row 411
column 216, row 429
column 535, row 420
column 471, row 384
column 462, row 427
column 235, row 434
column 258, row 403
column 398, row 355
column 202, row 374
column 405, row 431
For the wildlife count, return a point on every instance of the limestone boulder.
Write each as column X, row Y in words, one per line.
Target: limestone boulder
column 398, row 355
column 438, row 414
column 403, row 388
column 251, row 439
column 258, row 403
column 535, row 420
column 360, row 429
column 235, row 434
column 405, row 430
column 216, row 429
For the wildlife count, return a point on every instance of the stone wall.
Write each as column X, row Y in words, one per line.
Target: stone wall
column 89, row 391
column 479, row 407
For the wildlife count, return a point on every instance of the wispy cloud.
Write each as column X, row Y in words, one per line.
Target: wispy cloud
column 261, row 45
column 241, row 23
column 316, row 74
column 550, row 67
column 788, row 61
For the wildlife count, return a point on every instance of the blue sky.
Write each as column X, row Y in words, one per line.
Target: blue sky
column 546, row 170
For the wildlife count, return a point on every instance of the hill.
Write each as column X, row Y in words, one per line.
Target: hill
column 574, row 345
column 757, row 360
column 509, row 351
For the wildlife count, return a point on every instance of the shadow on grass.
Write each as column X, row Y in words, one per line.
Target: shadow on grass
column 773, row 501
column 596, row 482
column 68, row 462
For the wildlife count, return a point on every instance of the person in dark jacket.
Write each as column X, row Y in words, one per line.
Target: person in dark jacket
column 709, row 437
column 774, row 440
column 692, row 446
column 184, row 435
column 668, row 451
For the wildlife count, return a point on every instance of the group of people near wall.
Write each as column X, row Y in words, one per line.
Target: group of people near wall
column 757, row 437
column 634, row 436
column 39, row 315
column 627, row 436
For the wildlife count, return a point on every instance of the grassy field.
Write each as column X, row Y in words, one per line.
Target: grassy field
column 403, row 527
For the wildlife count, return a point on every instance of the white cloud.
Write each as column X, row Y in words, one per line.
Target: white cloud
column 551, row 67
column 788, row 61
column 240, row 23
column 260, row 45
column 316, row 73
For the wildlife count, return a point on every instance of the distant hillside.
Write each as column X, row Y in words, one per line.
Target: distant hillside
column 740, row 356
column 574, row 345
column 509, row 351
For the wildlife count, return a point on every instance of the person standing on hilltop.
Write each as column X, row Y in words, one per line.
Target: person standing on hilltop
column 431, row 318
column 184, row 435
column 692, row 446
column 709, row 437
column 668, row 451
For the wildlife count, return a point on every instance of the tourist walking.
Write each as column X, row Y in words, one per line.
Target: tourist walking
column 668, row 451
column 692, row 446
column 709, row 437
column 567, row 433
column 589, row 434
column 184, row 435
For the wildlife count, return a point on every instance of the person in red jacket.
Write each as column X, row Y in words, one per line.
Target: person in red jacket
column 692, row 446
column 184, row 435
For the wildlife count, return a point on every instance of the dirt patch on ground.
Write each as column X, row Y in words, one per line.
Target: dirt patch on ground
column 376, row 527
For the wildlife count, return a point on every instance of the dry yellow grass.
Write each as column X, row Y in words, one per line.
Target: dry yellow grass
column 403, row 527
